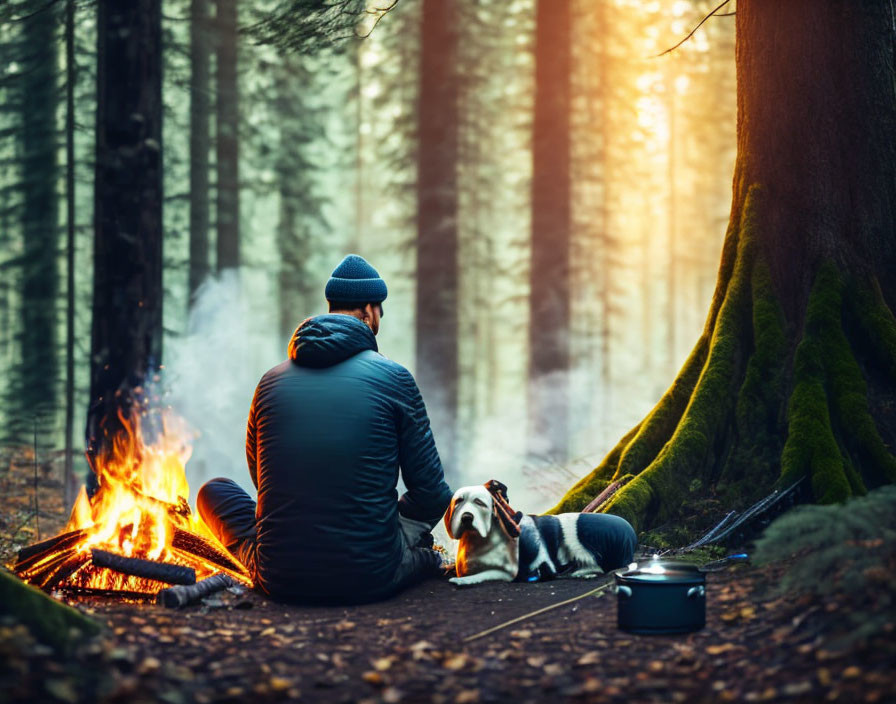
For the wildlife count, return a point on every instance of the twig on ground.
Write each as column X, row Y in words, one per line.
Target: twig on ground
column 593, row 592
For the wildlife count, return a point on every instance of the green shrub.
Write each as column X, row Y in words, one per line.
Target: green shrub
column 846, row 552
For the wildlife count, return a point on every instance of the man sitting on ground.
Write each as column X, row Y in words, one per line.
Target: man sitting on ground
column 328, row 430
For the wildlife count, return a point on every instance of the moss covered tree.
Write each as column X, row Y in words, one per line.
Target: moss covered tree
column 795, row 372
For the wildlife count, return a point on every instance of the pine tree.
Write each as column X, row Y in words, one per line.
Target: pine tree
column 200, row 91
column 227, row 144
column 38, row 374
column 549, row 317
column 437, row 236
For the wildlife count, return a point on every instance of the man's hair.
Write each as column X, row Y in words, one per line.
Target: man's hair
column 351, row 305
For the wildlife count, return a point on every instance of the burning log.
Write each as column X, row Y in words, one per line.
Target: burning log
column 33, row 554
column 64, row 571
column 37, row 573
column 195, row 545
column 175, row 597
column 137, row 567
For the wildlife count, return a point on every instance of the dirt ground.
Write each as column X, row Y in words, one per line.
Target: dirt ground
column 757, row 646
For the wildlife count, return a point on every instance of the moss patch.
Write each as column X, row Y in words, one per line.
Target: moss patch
column 811, row 448
column 51, row 622
column 848, row 393
column 752, row 466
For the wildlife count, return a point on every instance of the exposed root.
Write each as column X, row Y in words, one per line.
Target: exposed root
column 830, row 393
column 848, row 395
column 752, row 466
column 641, row 445
column 664, row 483
column 596, row 481
column 660, row 424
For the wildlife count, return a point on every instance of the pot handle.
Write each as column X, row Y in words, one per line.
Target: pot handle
column 623, row 591
column 696, row 592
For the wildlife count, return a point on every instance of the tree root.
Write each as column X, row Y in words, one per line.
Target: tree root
column 664, row 483
column 725, row 418
column 830, row 393
column 640, row 446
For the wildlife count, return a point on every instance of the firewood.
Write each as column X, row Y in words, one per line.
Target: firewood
column 113, row 593
column 196, row 545
column 64, row 571
column 175, row 597
column 31, row 554
column 159, row 571
column 39, row 571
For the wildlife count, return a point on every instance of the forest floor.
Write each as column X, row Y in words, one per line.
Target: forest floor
column 758, row 645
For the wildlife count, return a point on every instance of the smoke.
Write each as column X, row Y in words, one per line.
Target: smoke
column 211, row 374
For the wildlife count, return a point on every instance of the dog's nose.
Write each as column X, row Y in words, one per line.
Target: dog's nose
column 466, row 517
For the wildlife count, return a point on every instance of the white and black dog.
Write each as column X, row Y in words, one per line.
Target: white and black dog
column 500, row 544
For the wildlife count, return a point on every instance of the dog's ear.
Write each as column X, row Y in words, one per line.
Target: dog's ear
column 449, row 513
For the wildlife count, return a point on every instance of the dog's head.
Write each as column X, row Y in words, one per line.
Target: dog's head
column 472, row 508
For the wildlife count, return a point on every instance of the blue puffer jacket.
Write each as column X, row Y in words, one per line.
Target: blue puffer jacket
column 328, row 430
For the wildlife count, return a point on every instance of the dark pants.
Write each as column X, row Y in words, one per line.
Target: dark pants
column 229, row 512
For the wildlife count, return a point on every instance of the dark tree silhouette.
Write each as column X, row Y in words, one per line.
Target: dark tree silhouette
column 39, row 368
column 795, row 372
column 126, row 341
column 437, row 238
column 199, row 142
column 551, row 219
column 227, row 138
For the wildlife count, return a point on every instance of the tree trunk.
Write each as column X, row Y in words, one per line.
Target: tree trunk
column 68, row 482
column 199, row 143
column 437, row 239
column 40, row 228
column 549, row 275
column 227, row 144
column 126, row 340
column 795, row 372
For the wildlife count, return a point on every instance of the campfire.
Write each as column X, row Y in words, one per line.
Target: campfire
column 135, row 537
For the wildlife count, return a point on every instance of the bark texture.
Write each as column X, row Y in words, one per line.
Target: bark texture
column 437, row 232
column 126, row 340
column 799, row 340
column 227, row 138
column 199, row 143
column 549, row 307
column 38, row 374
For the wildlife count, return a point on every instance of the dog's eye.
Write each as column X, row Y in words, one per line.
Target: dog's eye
column 479, row 502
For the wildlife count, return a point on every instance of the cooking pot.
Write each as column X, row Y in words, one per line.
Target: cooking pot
column 661, row 597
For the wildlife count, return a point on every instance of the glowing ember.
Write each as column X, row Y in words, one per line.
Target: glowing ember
column 140, row 510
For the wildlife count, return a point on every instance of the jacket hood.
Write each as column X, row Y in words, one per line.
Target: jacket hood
column 325, row 340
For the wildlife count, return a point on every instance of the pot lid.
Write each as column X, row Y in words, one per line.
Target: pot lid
column 656, row 572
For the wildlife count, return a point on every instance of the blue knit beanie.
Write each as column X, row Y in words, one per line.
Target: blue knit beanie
column 355, row 281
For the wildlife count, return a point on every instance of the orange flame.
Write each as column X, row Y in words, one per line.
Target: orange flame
column 141, row 500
